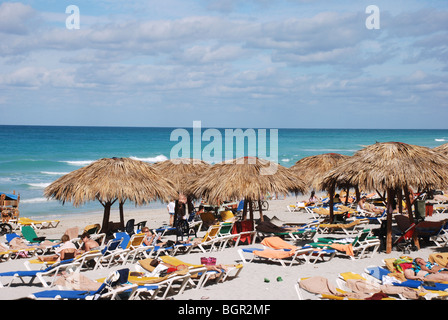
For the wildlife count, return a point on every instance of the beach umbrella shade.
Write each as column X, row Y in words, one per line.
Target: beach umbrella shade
column 443, row 149
column 248, row 177
column 392, row 167
column 313, row 168
column 182, row 172
column 111, row 180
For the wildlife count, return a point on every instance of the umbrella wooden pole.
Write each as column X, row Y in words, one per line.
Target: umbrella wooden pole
column 390, row 209
column 106, row 217
column 400, row 201
column 251, row 211
column 410, row 214
column 331, row 194
column 120, row 206
column 261, row 210
column 358, row 194
column 245, row 209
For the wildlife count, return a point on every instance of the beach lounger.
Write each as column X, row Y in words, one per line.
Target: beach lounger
column 199, row 274
column 362, row 246
column 172, row 283
column 30, row 235
column 296, row 207
column 434, row 231
column 348, row 228
column 86, row 260
column 114, row 287
column 108, row 254
column 276, row 250
column 46, row 276
column 37, row 224
column 269, row 229
column 204, row 276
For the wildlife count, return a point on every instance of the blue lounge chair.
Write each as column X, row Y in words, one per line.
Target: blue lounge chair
column 51, row 272
column 115, row 286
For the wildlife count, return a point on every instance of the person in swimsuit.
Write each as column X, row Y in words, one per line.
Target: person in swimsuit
column 422, row 270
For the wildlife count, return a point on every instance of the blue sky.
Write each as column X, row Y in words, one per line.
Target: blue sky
column 226, row 63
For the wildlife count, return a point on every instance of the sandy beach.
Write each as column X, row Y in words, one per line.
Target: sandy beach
column 249, row 285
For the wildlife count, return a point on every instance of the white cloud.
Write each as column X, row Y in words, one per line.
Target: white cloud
column 223, row 56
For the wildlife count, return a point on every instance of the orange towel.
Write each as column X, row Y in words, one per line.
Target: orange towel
column 274, row 254
column 277, row 243
column 347, row 248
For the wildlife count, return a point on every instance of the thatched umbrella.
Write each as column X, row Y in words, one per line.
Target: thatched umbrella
column 109, row 180
column 442, row 149
column 392, row 167
column 182, row 172
column 247, row 177
column 313, row 168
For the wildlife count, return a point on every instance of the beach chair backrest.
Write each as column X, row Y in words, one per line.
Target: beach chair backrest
column 124, row 237
column 136, row 240
column 29, row 233
column 112, row 245
column 226, row 228
column 212, row 232
column 129, row 228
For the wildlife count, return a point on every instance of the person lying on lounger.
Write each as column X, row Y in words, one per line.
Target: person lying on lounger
column 429, row 266
column 427, row 271
column 66, row 250
column 363, row 205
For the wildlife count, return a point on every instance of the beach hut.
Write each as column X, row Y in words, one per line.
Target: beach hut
column 313, row 168
column 392, row 167
column 247, row 177
column 111, row 180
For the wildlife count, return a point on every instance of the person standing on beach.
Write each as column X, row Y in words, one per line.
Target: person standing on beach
column 180, row 208
column 171, row 211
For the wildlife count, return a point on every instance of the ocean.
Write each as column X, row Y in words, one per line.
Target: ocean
column 32, row 157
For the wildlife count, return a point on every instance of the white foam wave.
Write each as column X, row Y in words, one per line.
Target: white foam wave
column 286, row 160
column 151, row 159
column 79, row 162
column 34, row 200
column 54, row 173
column 440, row 140
column 42, row 185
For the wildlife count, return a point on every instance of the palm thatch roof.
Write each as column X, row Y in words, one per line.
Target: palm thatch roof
column 391, row 165
column 182, row 172
column 111, row 179
column 442, row 149
column 312, row 169
column 247, row 177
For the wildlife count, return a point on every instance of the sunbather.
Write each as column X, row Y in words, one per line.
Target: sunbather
column 429, row 266
column 421, row 271
column 88, row 243
column 363, row 205
column 66, row 250
column 152, row 239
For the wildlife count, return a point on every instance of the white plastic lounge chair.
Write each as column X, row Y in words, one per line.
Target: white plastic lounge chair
column 46, row 276
column 114, row 287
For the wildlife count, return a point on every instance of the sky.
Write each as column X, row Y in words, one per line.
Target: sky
column 226, row 63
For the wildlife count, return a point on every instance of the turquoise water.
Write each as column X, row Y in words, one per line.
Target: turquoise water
column 34, row 156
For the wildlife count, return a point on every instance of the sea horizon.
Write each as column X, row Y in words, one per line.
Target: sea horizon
column 36, row 155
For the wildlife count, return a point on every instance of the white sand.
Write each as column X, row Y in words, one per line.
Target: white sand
column 250, row 284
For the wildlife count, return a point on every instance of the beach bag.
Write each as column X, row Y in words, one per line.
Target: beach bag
column 210, row 261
